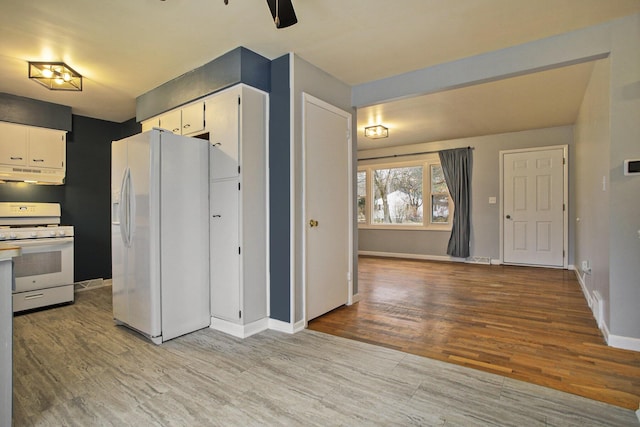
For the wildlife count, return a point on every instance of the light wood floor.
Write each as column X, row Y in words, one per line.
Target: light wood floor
column 74, row 367
column 525, row 323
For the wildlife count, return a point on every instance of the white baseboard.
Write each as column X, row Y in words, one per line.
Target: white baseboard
column 279, row 325
column 595, row 304
column 624, row 343
column 412, row 256
column 299, row 326
column 355, row 298
column 239, row 331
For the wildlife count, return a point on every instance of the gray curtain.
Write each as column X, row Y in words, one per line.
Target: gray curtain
column 456, row 165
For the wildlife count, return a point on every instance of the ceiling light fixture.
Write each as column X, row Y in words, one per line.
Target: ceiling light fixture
column 375, row 132
column 55, row 75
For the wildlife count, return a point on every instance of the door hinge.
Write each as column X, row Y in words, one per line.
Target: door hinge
column 239, row 251
column 564, row 207
column 238, row 169
column 563, row 253
column 238, row 100
column 564, row 161
column 240, row 314
column 238, row 186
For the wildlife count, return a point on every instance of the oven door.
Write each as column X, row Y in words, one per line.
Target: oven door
column 44, row 263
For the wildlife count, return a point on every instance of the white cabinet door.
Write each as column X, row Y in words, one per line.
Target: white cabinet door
column 224, row 134
column 193, row 118
column 171, row 121
column 13, row 144
column 150, row 124
column 225, row 250
column 46, row 148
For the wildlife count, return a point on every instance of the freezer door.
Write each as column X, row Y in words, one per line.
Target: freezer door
column 118, row 248
column 143, row 282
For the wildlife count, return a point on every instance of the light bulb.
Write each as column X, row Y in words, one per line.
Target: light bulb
column 47, row 73
column 66, row 77
column 59, row 81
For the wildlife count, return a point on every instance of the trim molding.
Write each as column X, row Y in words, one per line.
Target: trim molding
column 279, row 325
column 239, row 331
column 355, row 298
column 625, row 343
column 412, row 256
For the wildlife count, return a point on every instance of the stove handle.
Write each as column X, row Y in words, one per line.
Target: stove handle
column 48, row 241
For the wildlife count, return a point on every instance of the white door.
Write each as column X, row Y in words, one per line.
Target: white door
column 327, row 192
column 533, row 207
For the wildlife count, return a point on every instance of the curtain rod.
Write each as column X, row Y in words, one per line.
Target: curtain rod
column 408, row 154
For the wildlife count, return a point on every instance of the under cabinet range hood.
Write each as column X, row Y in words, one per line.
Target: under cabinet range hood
column 32, row 175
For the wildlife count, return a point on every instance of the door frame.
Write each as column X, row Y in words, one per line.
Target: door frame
column 309, row 99
column 565, row 197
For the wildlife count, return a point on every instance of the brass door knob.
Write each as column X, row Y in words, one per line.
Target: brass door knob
column 313, row 223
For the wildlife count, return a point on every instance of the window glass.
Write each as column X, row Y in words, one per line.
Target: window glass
column 439, row 196
column 362, row 197
column 397, row 196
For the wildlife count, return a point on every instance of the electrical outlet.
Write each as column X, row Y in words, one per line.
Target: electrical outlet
column 586, row 267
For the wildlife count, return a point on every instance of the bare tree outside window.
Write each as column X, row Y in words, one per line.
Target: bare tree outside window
column 439, row 196
column 398, row 196
column 362, row 196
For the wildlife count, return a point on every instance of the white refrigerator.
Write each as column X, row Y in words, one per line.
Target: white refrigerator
column 160, row 234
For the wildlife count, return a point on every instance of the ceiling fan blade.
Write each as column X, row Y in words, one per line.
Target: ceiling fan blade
column 282, row 13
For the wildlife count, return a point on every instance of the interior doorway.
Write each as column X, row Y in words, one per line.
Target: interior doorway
column 327, row 177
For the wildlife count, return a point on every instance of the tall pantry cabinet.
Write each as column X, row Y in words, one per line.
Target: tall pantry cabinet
column 237, row 123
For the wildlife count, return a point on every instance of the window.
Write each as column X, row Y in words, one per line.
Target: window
column 362, row 197
column 409, row 195
column 439, row 196
column 398, row 196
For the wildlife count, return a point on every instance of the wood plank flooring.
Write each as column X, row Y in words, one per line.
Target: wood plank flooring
column 531, row 324
column 74, row 367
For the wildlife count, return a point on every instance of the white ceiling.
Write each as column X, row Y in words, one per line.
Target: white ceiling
column 124, row 48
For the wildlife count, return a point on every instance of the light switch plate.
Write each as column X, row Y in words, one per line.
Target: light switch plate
column 492, row 200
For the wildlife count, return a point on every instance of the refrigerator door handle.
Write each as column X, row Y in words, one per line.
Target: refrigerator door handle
column 131, row 223
column 125, row 222
column 122, row 209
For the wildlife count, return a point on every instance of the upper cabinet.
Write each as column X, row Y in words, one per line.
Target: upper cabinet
column 32, row 153
column 187, row 120
column 13, row 144
column 223, row 118
column 46, row 148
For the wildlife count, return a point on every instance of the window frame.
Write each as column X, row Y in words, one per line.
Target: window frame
column 425, row 162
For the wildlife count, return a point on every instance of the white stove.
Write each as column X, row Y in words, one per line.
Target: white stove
column 44, row 270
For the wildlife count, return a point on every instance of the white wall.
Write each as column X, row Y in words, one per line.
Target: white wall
column 591, row 216
column 485, row 183
column 624, row 219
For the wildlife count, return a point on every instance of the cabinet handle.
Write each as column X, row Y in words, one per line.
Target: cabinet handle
column 38, row 160
column 186, row 126
column 175, row 130
column 216, row 216
column 217, row 143
column 16, row 158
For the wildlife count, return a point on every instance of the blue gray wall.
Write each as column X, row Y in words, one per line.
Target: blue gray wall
column 279, row 185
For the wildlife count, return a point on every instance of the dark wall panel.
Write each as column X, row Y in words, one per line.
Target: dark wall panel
column 237, row 66
column 279, row 184
column 27, row 111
